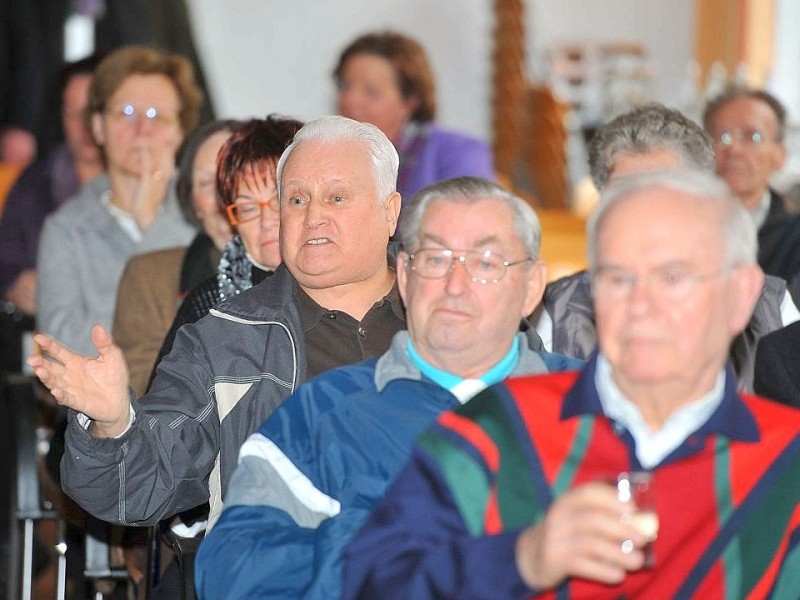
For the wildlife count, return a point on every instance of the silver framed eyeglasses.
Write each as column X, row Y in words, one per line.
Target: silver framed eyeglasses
column 665, row 283
column 130, row 114
column 750, row 137
column 483, row 266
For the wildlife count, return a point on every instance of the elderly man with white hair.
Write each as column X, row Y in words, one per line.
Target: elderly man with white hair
column 333, row 302
column 509, row 497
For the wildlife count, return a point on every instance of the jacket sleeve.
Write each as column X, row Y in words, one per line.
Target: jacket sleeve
column 62, row 310
column 142, row 315
column 281, row 532
column 775, row 370
column 416, row 544
column 277, row 521
column 161, row 465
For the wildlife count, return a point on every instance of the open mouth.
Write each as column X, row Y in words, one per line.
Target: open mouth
column 317, row 242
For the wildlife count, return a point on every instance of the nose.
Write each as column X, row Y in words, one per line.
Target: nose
column 349, row 103
column 640, row 298
column 458, row 279
column 143, row 125
column 270, row 215
column 315, row 214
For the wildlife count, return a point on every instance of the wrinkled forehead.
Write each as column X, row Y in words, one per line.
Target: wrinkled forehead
column 467, row 223
column 313, row 159
column 745, row 112
column 660, row 224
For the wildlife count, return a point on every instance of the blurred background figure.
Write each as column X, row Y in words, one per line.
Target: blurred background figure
column 38, row 37
column 384, row 78
column 154, row 284
column 142, row 102
column 41, row 189
column 748, row 127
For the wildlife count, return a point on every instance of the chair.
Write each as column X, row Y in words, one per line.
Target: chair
column 563, row 242
column 23, row 503
column 184, row 550
column 100, row 540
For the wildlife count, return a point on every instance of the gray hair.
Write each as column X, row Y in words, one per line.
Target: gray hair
column 470, row 190
column 385, row 160
column 646, row 129
column 739, row 232
column 736, row 92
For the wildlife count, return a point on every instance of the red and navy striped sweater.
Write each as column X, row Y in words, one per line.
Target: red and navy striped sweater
column 727, row 498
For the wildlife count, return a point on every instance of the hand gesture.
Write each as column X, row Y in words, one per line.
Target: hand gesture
column 97, row 387
column 151, row 188
column 581, row 535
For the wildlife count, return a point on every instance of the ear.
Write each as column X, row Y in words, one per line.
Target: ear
column 780, row 154
column 402, row 274
column 747, row 283
column 534, row 289
column 412, row 104
column 392, row 207
column 97, row 129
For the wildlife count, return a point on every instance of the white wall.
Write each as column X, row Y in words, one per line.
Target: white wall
column 663, row 27
column 277, row 55
column 785, row 80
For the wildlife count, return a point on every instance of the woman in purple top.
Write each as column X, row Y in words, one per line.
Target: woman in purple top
column 384, row 78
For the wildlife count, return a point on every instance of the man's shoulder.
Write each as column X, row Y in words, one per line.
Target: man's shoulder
column 571, row 288
column 782, row 342
column 447, row 138
column 778, row 424
column 271, row 299
column 320, row 404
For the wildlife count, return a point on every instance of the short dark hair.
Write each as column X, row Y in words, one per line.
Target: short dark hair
column 186, row 154
column 254, row 145
column 736, row 92
column 645, row 129
column 411, row 66
column 84, row 66
column 144, row 60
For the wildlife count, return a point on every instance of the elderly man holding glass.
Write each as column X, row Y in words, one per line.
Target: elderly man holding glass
column 508, row 496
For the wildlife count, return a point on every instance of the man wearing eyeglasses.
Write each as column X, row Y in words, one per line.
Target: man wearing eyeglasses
column 748, row 128
column 519, row 494
column 308, row 478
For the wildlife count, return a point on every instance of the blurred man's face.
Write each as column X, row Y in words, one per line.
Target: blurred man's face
column 665, row 304
column 642, row 162
column 747, row 150
column 75, row 100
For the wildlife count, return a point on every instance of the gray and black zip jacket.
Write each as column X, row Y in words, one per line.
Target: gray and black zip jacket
column 224, row 376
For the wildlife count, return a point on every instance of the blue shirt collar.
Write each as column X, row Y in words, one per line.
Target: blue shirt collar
column 496, row 374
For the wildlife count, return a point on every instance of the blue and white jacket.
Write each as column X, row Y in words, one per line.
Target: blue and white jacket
column 309, row 477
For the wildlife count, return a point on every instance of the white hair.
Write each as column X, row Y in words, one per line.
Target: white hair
column 385, row 160
column 740, row 239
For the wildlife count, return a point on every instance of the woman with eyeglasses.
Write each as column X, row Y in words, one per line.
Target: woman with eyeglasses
column 142, row 103
column 247, row 189
column 154, row 284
